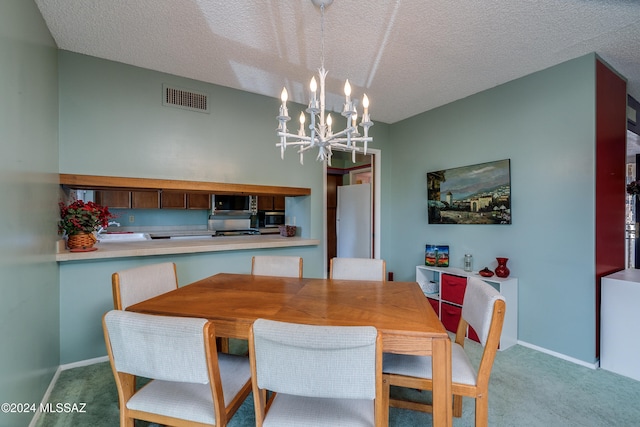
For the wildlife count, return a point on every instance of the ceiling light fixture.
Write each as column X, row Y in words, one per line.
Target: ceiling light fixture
column 322, row 135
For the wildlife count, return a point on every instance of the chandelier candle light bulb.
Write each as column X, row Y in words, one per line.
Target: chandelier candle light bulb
column 347, row 93
column 314, row 88
column 302, row 120
column 322, row 136
column 365, row 105
column 284, row 96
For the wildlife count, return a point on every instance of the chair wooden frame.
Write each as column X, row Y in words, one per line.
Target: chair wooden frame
column 116, row 288
column 253, row 263
column 480, row 392
column 264, row 398
column 384, row 267
column 126, row 386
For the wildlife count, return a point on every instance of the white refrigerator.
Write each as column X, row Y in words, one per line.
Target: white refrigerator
column 353, row 221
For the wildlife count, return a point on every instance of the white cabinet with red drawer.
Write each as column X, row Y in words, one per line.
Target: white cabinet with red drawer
column 445, row 287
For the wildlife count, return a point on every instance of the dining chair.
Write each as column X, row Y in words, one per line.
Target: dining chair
column 316, row 375
column 269, row 265
column 483, row 309
column 357, row 269
column 137, row 284
column 191, row 383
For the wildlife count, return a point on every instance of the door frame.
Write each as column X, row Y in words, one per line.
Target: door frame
column 375, row 165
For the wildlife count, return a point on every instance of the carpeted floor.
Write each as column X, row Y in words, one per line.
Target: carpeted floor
column 527, row 388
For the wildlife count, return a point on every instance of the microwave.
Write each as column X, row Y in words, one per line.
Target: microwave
column 272, row 218
column 231, row 203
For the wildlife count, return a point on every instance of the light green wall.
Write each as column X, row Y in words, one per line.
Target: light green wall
column 544, row 123
column 28, row 190
column 84, row 301
column 112, row 122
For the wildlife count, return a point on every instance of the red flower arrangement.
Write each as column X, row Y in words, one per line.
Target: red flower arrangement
column 80, row 217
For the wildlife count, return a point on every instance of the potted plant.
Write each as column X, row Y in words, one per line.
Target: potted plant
column 79, row 221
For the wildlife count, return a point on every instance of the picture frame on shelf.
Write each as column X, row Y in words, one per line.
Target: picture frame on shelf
column 436, row 255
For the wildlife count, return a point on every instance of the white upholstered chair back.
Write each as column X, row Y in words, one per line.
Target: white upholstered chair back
column 159, row 347
column 357, row 269
column 137, row 284
column 477, row 306
column 483, row 309
column 190, row 383
column 322, row 375
column 316, row 361
column 269, row 265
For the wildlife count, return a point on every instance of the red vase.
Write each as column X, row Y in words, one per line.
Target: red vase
column 501, row 269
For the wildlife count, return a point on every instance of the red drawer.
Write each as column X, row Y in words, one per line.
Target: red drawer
column 452, row 288
column 472, row 334
column 450, row 316
column 434, row 304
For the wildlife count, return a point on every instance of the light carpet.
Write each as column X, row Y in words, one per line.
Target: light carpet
column 527, row 388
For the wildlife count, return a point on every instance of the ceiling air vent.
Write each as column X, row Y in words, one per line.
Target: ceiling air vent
column 185, row 99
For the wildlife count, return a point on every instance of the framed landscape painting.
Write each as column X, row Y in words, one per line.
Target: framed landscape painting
column 476, row 194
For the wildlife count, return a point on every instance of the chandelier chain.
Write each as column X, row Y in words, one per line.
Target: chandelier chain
column 322, row 36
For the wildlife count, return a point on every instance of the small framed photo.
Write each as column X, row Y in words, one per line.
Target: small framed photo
column 436, row 255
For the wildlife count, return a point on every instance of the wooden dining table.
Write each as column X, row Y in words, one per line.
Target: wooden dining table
column 399, row 310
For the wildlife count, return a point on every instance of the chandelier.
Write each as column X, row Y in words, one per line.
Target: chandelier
column 321, row 134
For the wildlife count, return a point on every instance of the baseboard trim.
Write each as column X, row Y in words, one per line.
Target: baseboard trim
column 52, row 383
column 86, row 362
column 594, row 365
column 45, row 398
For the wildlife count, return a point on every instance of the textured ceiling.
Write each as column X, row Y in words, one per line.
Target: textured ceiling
column 409, row 56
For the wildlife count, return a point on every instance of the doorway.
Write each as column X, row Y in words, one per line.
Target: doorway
column 344, row 172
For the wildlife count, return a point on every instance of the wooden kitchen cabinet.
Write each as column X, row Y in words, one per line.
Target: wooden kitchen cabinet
column 145, row 199
column 113, row 199
column 450, row 284
column 183, row 200
column 271, row 203
column 278, row 203
column 120, row 199
column 198, row 201
column 173, row 200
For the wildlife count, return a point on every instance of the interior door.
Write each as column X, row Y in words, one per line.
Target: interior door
column 353, row 221
column 333, row 182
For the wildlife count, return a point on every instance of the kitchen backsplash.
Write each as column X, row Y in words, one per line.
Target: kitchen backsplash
column 160, row 217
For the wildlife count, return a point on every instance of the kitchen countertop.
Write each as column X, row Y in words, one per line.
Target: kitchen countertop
column 177, row 246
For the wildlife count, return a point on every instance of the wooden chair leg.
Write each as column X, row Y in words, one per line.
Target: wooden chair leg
column 457, row 406
column 482, row 411
column 386, row 390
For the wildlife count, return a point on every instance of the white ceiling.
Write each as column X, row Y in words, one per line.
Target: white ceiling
column 409, row 56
